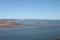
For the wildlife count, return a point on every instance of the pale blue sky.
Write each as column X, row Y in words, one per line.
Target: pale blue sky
column 30, row 9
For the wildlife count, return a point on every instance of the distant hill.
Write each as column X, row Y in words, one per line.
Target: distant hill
column 28, row 22
column 8, row 23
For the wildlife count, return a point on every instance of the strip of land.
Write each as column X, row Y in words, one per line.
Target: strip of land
column 14, row 23
column 9, row 23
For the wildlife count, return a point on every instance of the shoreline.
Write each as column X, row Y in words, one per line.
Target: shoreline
column 14, row 23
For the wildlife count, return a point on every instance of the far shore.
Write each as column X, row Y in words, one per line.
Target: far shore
column 14, row 23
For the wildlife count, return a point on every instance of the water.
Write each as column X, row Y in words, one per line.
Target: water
column 30, row 33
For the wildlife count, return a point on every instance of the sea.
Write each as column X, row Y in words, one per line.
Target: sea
column 30, row 33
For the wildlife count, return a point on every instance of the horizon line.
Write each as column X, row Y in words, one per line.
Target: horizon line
column 30, row 18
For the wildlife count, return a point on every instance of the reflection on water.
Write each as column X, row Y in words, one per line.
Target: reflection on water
column 30, row 33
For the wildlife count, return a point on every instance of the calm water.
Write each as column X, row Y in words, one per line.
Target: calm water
column 30, row 33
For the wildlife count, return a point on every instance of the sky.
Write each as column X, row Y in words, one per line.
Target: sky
column 30, row 9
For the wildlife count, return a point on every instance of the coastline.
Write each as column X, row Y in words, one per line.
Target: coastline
column 14, row 23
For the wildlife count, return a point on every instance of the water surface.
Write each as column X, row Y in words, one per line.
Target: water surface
column 30, row 33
